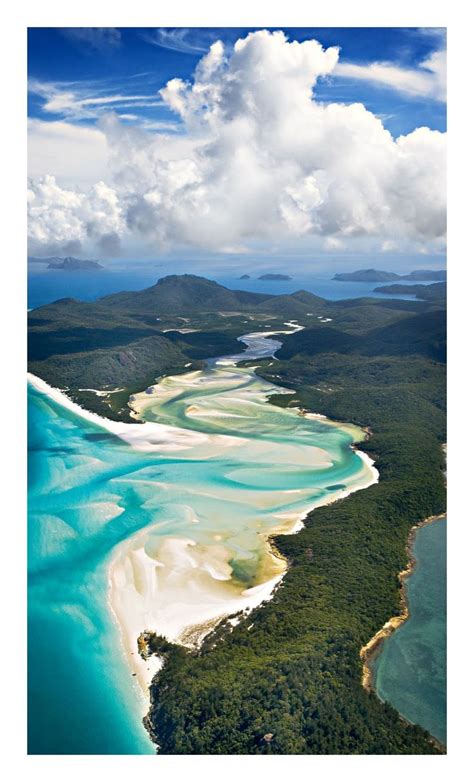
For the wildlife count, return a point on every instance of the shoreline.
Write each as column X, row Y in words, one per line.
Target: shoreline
column 372, row 648
column 129, row 617
column 153, row 435
column 189, row 633
column 369, row 652
column 292, row 524
column 145, row 436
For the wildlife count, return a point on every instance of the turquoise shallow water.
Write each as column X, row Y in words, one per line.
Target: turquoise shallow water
column 410, row 671
column 186, row 520
column 77, row 702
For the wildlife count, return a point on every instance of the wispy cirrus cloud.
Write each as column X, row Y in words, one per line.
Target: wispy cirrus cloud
column 428, row 80
column 71, row 101
column 95, row 38
column 178, row 39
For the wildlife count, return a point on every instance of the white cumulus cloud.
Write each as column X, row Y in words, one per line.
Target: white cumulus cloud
column 65, row 220
column 258, row 160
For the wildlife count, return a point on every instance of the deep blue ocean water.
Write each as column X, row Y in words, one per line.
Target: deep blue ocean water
column 45, row 286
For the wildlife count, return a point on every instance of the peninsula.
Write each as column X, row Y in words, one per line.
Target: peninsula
column 435, row 292
column 377, row 275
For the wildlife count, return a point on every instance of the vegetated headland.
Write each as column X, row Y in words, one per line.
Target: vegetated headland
column 378, row 275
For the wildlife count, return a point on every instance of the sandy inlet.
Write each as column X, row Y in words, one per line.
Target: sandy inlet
column 264, row 469
column 218, row 472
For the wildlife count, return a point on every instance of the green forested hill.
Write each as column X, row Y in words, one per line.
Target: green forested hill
column 422, row 334
column 128, row 339
column 125, row 364
column 183, row 293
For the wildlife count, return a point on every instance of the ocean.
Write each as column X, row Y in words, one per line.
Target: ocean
column 46, row 285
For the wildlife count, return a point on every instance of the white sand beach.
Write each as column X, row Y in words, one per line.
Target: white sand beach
column 180, row 585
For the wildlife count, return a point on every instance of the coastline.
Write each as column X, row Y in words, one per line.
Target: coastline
column 192, row 631
column 372, row 649
column 181, row 628
column 185, row 629
column 144, row 436
column 188, row 627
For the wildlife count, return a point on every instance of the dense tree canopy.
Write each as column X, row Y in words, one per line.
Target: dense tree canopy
column 287, row 679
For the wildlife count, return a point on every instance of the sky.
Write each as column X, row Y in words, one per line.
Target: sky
column 230, row 143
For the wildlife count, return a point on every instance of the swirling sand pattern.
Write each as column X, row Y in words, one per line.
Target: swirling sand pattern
column 160, row 526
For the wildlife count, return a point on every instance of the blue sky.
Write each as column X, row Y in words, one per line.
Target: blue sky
column 115, row 65
column 159, row 142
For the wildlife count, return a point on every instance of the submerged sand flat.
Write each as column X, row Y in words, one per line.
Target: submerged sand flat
column 170, row 519
column 265, row 468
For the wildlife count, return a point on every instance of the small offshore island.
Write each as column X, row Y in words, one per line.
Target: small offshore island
column 75, row 264
column 274, row 277
column 377, row 363
column 68, row 264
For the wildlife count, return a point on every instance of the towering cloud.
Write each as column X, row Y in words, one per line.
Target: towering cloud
column 258, row 159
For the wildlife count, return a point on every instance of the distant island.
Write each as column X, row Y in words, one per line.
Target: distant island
column 377, row 275
column 74, row 264
column 274, row 277
column 245, row 277
column 69, row 264
column 427, row 274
